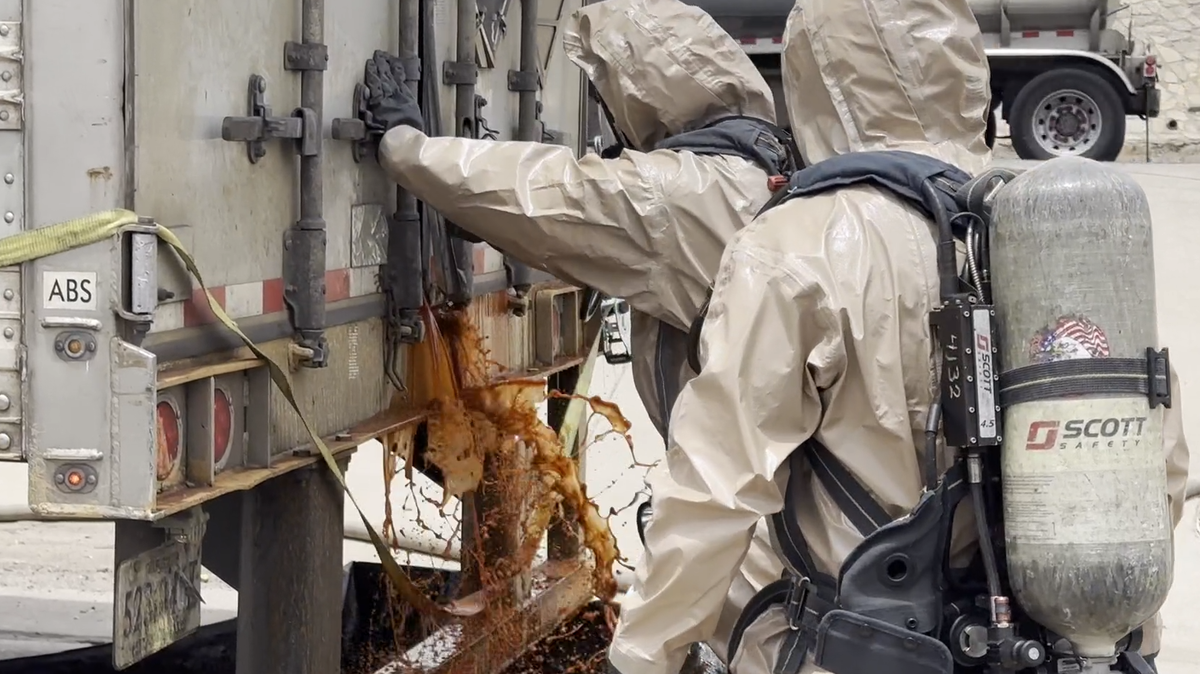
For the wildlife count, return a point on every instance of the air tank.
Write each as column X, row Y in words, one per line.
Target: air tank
column 1038, row 14
column 1087, row 524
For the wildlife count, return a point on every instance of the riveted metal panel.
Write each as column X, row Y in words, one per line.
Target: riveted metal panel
column 192, row 62
column 90, row 407
column 12, row 221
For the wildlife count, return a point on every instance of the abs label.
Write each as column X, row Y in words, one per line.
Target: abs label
column 69, row 290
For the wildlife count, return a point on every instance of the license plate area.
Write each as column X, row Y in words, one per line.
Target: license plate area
column 157, row 599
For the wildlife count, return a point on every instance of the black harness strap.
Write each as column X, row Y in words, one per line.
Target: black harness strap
column 807, row 594
column 851, row 497
column 670, row 353
column 750, row 138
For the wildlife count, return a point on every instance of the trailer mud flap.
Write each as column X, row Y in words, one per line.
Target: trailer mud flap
column 848, row 643
column 157, row 599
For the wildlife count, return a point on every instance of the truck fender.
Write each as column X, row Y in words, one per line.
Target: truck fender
column 1007, row 53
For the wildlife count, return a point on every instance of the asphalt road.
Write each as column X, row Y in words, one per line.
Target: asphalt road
column 56, row 578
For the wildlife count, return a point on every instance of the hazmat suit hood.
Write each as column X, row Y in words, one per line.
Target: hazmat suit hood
column 861, row 76
column 662, row 67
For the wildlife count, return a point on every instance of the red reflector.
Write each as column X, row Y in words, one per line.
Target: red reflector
column 167, row 442
column 1065, row 33
column 222, row 426
column 747, row 40
column 1031, row 33
column 776, row 183
column 777, row 40
column 1152, row 60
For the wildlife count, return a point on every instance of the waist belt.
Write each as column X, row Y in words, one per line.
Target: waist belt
column 805, row 593
column 804, row 601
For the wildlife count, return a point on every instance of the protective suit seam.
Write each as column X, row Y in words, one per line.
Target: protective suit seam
column 824, row 62
column 930, row 288
column 900, row 63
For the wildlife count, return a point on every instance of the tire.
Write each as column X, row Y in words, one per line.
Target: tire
column 1081, row 106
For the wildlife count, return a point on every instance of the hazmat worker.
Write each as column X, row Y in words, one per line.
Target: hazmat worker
column 649, row 224
column 818, row 330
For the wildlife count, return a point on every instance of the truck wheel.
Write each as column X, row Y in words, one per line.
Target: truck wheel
column 1068, row 112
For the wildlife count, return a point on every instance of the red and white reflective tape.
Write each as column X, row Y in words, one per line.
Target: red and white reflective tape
column 487, row 259
column 1035, row 34
column 261, row 298
column 257, row 298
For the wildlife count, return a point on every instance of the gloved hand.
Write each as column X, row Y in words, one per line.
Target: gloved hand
column 390, row 102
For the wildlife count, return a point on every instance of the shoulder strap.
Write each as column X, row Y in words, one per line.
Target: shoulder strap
column 899, row 172
column 755, row 140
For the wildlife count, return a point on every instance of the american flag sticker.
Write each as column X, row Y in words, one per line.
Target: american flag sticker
column 1073, row 336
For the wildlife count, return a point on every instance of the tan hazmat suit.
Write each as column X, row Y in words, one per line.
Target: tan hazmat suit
column 820, row 304
column 648, row 226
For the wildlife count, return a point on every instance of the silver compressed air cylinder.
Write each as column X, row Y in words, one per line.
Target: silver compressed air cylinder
column 1086, row 517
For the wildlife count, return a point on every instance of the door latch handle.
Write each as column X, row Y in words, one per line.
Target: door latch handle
column 260, row 126
column 354, row 129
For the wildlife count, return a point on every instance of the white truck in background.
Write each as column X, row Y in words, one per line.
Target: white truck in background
column 1062, row 79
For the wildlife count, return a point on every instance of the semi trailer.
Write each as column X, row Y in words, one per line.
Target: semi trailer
column 1062, row 77
column 146, row 145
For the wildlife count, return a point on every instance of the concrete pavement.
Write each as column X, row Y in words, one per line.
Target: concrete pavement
column 56, row 578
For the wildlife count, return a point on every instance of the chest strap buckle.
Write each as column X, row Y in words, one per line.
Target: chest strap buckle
column 797, row 600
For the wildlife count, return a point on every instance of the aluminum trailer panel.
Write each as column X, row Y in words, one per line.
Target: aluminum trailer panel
column 230, row 123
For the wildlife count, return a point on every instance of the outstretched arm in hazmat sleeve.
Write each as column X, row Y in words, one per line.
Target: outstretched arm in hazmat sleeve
column 624, row 226
column 770, row 341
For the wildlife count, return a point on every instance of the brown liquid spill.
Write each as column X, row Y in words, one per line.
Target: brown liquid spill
column 470, row 419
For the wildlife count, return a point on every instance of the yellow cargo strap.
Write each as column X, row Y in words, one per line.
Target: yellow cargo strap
column 73, row 234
